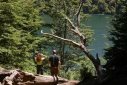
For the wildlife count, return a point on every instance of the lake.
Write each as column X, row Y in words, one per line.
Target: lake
column 98, row 23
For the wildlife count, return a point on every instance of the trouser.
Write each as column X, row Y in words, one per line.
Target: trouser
column 40, row 69
column 54, row 71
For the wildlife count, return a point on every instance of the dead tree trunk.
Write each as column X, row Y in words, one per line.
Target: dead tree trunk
column 81, row 45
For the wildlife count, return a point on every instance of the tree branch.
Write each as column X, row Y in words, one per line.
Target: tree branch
column 78, row 13
column 72, row 24
column 65, row 40
column 76, row 31
column 81, row 46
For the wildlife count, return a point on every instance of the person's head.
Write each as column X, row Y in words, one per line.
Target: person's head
column 54, row 51
column 39, row 55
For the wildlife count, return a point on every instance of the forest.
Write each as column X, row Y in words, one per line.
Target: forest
column 22, row 36
column 103, row 6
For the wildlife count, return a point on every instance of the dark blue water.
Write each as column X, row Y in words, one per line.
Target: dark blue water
column 100, row 24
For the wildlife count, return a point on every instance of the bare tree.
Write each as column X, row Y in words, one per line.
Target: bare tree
column 81, row 45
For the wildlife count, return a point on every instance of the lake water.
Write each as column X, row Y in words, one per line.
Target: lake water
column 98, row 23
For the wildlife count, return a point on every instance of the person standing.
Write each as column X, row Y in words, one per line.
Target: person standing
column 54, row 63
column 39, row 63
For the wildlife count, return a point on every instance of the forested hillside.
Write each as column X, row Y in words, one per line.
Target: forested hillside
column 103, row 6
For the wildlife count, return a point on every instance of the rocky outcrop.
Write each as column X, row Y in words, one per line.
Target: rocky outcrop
column 19, row 77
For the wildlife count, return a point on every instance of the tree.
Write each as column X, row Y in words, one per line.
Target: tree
column 116, row 55
column 74, row 28
column 19, row 21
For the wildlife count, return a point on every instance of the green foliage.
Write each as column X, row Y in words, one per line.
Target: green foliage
column 103, row 6
column 116, row 55
column 84, row 69
column 19, row 21
column 70, row 74
column 85, row 74
column 117, row 34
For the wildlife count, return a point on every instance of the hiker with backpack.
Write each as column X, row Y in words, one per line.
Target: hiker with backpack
column 39, row 63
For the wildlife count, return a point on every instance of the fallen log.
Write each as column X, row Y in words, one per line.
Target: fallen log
column 19, row 77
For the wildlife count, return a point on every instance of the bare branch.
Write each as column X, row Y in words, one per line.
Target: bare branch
column 78, row 13
column 76, row 31
column 72, row 24
column 65, row 40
